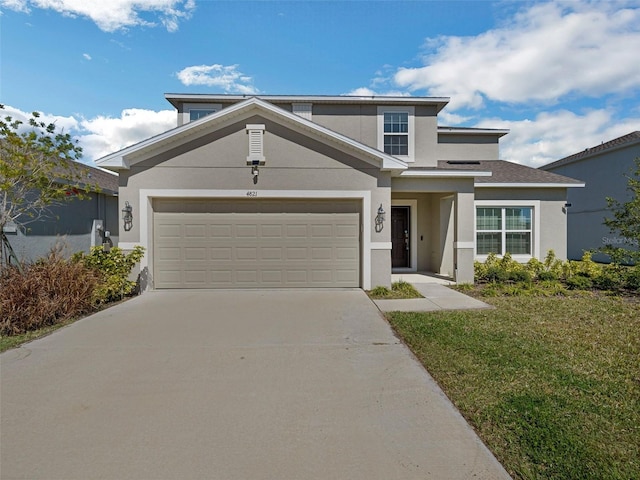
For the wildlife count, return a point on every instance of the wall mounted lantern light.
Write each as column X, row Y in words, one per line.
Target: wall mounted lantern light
column 127, row 216
column 255, row 172
column 380, row 219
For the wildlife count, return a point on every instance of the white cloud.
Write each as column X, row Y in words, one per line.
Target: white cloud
column 551, row 136
column 16, row 5
column 112, row 15
column 544, row 53
column 86, row 56
column 228, row 78
column 368, row 92
column 102, row 135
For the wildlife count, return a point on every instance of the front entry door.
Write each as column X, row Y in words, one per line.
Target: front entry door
column 400, row 237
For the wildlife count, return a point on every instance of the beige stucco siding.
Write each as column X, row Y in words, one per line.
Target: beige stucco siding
column 466, row 147
column 426, row 140
column 296, row 166
column 358, row 122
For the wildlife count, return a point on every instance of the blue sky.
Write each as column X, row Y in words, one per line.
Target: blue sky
column 562, row 76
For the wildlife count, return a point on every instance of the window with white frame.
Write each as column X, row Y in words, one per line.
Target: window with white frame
column 501, row 230
column 196, row 113
column 396, row 131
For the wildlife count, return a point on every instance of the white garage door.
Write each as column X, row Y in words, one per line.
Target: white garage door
column 244, row 244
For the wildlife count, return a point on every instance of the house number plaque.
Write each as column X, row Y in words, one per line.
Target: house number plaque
column 252, row 193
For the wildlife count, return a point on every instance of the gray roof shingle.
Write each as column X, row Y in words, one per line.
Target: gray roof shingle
column 107, row 181
column 632, row 137
column 507, row 172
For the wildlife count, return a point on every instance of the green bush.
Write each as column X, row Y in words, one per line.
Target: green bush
column 610, row 277
column 632, row 278
column 496, row 274
column 547, row 276
column 553, row 276
column 520, row 276
column 114, row 268
column 553, row 265
column 47, row 292
column 579, row 282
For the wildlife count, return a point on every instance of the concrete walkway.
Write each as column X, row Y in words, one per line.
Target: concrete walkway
column 437, row 296
column 231, row 385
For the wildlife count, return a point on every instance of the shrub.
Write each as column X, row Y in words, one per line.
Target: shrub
column 553, row 265
column 535, row 267
column 547, row 276
column 579, row 282
column 47, row 292
column 520, row 276
column 632, row 278
column 610, row 277
column 497, row 274
column 114, row 268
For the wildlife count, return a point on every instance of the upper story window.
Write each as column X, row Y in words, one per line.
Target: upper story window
column 396, row 131
column 196, row 113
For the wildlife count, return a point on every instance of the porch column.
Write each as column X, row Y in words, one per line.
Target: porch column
column 464, row 239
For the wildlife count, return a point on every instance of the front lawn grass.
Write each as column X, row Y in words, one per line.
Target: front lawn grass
column 551, row 384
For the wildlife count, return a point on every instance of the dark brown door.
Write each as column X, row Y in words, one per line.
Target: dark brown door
column 399, row 237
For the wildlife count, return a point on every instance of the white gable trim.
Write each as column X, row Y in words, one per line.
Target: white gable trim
column 529, row 185
column 118, row 160
column 444, row 173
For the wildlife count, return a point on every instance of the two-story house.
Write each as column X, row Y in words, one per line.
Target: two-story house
column 327, row 191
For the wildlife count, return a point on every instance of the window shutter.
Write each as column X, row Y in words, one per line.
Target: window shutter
column 303, row 109
column 256, row 153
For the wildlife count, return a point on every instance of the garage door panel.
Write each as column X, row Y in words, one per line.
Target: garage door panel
column 249, row 249
column 170, row 253
column 321, row 253
column 271, row 253
column 195, row 277
column 272, row 277
column 220, row 253
column 346, row 253
column 169, row 231
column 271, row 231
column 224, row 230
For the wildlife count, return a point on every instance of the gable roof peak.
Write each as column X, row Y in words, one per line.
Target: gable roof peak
column 184, row 133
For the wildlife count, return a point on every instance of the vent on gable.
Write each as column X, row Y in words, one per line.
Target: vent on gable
column 302, row 109
column 256, row 154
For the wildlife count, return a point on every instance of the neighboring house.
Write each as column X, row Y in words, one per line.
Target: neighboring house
column 289, row 191
column 75, row 224
column 603, row 169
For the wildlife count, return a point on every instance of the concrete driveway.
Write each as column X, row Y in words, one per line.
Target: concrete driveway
column 230, row 385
